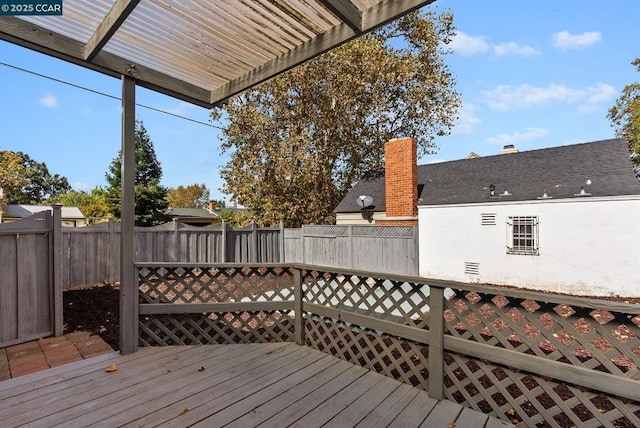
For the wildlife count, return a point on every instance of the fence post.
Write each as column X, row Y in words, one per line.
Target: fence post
column 297, row 307
column 416, row 249
column 254, row 247
column 223, row 258
column 176, row 237
column 57, row 269
column 303, row 261
column 281, row 241
column 351, row 266
column 436, row 342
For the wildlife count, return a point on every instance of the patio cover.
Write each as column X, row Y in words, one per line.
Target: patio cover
column 203, row 52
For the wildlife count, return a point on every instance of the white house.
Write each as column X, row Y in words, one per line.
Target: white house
column 569, row 221
column 563, row 219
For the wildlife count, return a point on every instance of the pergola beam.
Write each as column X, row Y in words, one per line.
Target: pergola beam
column 50, row 43
column 112, row 21
column 346, row 11
column 340, row 34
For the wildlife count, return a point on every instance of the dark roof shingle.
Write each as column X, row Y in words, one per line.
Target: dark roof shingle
column 561, row 171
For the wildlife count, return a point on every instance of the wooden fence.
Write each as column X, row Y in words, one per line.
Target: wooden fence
column 92, row 253
column 528, row 358
column 30, row 279
column 392, row 249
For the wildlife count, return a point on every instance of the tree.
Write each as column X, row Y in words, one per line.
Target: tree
column 92, row 204
column 625, row 118
column 299, row 141
column 192, row 196
column 150, row 196
column 235, row 218
column 12, row 175
column 35, row 185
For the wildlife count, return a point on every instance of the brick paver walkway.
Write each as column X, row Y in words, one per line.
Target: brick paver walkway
column 42, row 354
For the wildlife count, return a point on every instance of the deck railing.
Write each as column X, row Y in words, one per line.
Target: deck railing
column 524, row 357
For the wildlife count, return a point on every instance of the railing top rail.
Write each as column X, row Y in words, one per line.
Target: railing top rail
column 209, row 265
column 583, row 302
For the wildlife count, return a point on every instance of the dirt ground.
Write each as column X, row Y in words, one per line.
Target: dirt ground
column 94, row 309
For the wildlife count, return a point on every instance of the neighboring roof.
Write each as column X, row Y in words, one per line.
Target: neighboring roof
column 191, row 213
column 561, row 171
column 23, row 211
column 203, row 52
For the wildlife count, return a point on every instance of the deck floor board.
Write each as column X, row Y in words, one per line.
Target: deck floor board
column 244, row 385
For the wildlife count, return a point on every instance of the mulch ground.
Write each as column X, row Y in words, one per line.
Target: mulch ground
column 95, row 309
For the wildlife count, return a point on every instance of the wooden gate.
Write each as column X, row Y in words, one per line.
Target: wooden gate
column 30, row 291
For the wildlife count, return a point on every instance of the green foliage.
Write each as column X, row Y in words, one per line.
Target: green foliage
column 27, row 181
column 625, row 118
column 192, row 196
column 12, row 175
column 234, row 218
column 93, row 205
column 299, row 141
column 150, row 196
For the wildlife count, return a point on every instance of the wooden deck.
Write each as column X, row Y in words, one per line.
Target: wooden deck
column 244, row 385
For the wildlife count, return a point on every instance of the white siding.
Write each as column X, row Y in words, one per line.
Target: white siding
column 588, row 246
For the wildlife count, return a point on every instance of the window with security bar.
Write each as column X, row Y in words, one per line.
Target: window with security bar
column 522, row 235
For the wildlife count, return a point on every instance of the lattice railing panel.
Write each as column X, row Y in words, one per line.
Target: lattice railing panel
column 596, row 339
column 221, row 328
column 214, row 284
column 399, row 359
column 530, row 400
column 398, row 301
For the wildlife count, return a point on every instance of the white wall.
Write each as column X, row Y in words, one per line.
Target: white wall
column 588, row 246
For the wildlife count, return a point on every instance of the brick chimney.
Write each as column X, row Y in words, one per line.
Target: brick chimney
column 401, row 182
column 212, row 206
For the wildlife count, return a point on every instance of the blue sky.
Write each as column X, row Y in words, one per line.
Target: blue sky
column 534, row 74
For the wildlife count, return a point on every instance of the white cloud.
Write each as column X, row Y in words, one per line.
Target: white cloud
column 507, row 97
column 49, row 100
column 527, row 134
column 512, row 48
column 467, row 121
column 467, row 45
column 565, row 40
column 597, row 96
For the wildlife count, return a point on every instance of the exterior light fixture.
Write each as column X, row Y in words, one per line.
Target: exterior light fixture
column 365, row 203
column 492, row 190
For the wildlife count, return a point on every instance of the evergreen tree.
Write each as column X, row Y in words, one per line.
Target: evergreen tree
column 150, row 195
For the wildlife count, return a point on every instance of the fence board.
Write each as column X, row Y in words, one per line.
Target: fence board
column 26, row 287
column 92, row 252
column 8, row 289
column 391, row 249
